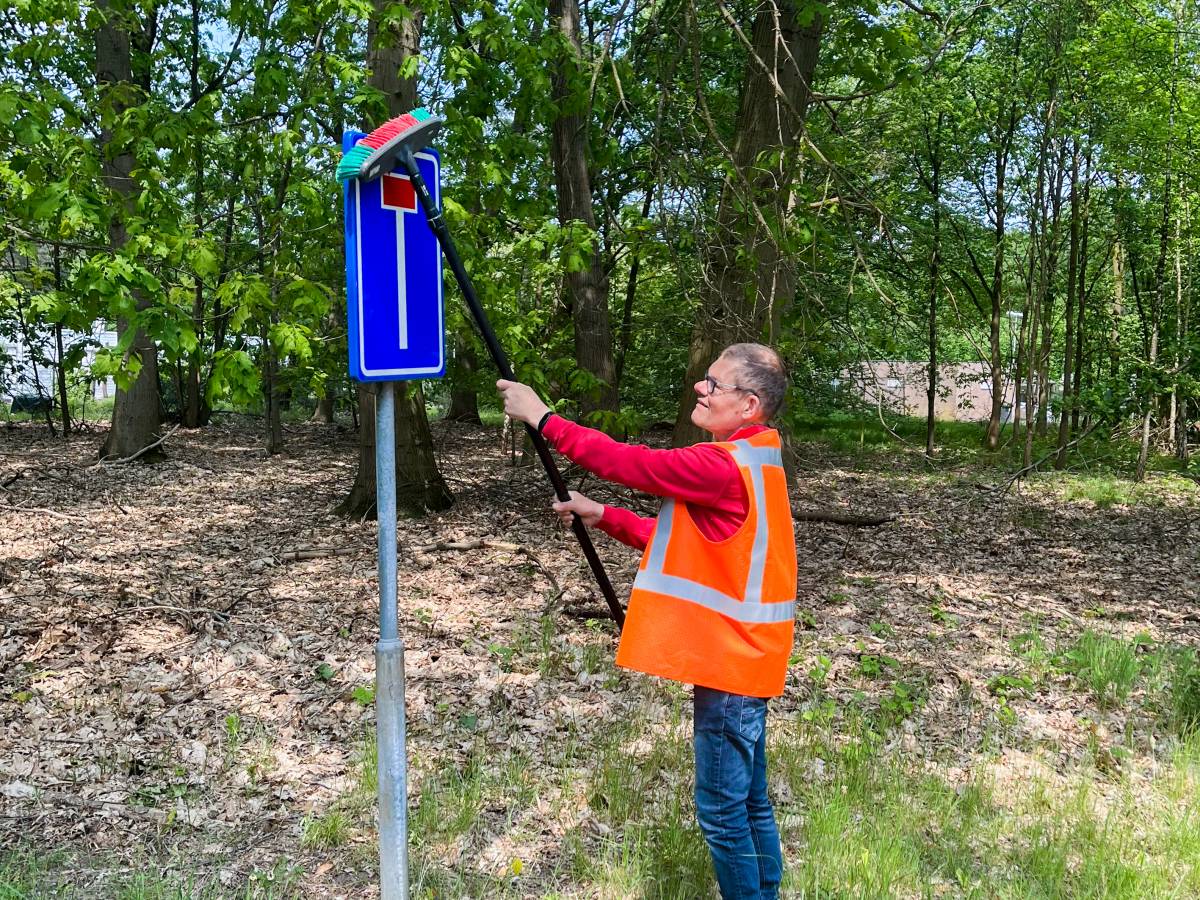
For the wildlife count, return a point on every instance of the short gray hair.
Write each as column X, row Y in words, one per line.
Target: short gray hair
column 761, row 370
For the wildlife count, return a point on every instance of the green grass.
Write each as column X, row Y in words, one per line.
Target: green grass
column 857, row 820
column 640, row 791
column 330, row 829
column 25, row 875
column 849, row 433
column 1106, row 463
column 865, row 824
column 1108, row 667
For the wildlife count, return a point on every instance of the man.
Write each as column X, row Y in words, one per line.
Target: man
column 713, row 603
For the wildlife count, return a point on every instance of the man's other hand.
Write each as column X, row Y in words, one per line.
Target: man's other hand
column 521, row 402
column 587, row 509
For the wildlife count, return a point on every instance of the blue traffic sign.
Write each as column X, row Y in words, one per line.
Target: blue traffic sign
column 394, row 306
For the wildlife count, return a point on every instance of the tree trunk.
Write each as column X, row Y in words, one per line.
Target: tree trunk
column 271, row 393
column 935, row 257
column 360, row 503
column 135, row 417
column 1080, row 335
column 996, row 291
column 64, row 405
column 1160, row 275
column 323, row 413
column 1182, row 420
column 192, row 413
column 1118, row 312
column 625, row 335
column 1064, row 421
column 1046, row 280
column 749, row 272
column 464, row 401
column 585, row 280
column 419, row 484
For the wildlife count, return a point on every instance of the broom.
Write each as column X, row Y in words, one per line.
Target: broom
column 395, row 141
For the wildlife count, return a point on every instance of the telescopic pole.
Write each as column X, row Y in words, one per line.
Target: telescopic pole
column 438, row 224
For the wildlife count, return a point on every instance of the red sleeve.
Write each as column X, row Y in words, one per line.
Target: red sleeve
column 627, row 526
column 702, row 474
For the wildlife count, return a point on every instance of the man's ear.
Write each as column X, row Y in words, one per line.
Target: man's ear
column 753, row 408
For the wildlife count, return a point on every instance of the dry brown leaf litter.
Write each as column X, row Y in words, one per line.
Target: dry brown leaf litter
column 144, row 609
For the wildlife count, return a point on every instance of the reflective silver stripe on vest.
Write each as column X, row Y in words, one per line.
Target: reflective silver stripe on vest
column 752, row 609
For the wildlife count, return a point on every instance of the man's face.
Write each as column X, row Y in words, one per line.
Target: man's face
column 722, row 405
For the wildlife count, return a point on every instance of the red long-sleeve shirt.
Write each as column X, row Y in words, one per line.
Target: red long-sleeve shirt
column 703, row 476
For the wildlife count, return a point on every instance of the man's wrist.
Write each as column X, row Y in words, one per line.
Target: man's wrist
column 544, row 419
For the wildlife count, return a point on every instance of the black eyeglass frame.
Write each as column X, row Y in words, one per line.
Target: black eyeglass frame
column 713, row 384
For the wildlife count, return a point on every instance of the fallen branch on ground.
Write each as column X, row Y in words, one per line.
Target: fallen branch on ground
column 105, row 461
column 841, row 518
column 45, row 512
column 315, row 553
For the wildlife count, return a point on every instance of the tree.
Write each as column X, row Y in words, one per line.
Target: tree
column 749, row 274
column 585, row 281
column 135, row 418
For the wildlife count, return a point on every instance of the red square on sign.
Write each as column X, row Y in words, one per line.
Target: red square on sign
column 398, row 193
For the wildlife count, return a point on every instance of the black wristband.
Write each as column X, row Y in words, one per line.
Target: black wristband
column 544, row 419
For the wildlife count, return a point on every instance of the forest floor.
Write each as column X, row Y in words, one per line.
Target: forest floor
column 990, row 695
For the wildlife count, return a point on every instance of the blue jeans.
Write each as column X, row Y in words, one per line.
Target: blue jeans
column 731, row 794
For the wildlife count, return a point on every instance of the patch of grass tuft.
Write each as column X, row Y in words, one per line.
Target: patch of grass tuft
column 1108, row 667
column 330, row 829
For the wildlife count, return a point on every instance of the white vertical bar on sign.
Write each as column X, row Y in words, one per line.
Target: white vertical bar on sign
column 401, row 287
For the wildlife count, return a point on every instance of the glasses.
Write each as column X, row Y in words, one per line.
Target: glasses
column 713, row 385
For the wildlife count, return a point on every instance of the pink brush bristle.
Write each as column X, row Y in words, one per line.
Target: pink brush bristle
column 349, row 166
column 389, row 130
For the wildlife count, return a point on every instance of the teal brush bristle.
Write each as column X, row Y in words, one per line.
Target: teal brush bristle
column 352, row 162
column 379, row 148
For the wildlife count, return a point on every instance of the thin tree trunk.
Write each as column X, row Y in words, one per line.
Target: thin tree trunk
column 1182, row 422
column 1049, row 271
column 625, row 334
column 1018, row 377
column 64, row 406
column 1080, row 333
column 585, row 281
column 1160, row 275
column 1118, row 312
column 271, row 393
column 934, row 283
column 1160, row 269
column 996, row 293
column 1064, row 421
column 360, row 503
column 191, row 409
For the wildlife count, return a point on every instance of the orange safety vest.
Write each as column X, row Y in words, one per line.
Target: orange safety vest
column 720, row 613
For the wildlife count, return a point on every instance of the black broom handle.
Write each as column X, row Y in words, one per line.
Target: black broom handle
column 438, row 224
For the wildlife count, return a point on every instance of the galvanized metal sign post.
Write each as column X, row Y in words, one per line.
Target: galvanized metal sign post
column 396, row 320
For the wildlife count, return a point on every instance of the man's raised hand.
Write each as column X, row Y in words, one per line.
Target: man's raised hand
column 521, row 402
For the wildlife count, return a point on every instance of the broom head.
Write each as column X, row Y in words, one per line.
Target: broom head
column 376, row 153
